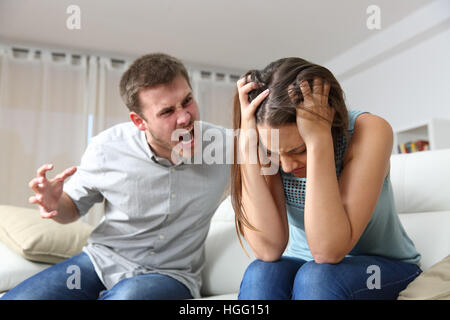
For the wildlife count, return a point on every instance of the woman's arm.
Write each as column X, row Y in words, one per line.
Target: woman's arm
column 263, row 202
column 262, row 196
column 337, row 213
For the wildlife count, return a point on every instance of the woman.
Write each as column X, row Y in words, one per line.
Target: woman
column 337, row 236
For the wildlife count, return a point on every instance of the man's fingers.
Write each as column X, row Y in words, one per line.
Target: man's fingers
column 33, row 200
column 65, row 174
column 36, row 184
column 42, row 170
column 42, row 209
column 48, row 215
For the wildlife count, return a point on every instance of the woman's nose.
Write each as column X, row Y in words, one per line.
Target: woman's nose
column 287, row 164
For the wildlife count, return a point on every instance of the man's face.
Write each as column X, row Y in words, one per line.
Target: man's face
column 165, row 108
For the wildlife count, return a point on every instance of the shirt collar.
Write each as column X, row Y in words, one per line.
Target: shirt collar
column 155, row 158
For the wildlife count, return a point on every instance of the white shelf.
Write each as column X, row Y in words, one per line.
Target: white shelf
column 435, row 131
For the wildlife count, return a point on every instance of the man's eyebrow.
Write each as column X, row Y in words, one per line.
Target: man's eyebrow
column 170, row 108
column 165, row 109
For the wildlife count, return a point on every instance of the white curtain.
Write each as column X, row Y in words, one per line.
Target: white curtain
column 104, row 105
column 42, row 117
column 51, row 104
column 214, row 94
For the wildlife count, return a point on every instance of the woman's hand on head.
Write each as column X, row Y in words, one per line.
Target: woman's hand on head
column 248, row 109
column 314, row 114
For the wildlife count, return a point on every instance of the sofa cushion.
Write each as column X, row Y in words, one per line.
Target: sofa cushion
column 14, row 268
column 432, row 284
column 38, row 239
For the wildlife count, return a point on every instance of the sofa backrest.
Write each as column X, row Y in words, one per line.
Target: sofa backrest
column 421, row 181
column 421, row 185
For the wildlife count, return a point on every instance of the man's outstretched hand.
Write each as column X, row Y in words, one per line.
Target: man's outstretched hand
column 48, row 192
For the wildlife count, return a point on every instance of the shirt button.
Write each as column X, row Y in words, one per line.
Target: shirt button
column 172, row 170
column 173, row 195
column 161, row 236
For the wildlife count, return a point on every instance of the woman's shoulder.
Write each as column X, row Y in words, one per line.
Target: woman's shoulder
column 369, row 129
column 369, row 121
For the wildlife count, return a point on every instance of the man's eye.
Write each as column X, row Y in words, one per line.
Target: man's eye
column 166, row 112
column 187, row 101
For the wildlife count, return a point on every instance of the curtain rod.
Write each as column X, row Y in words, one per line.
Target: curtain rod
column 62, row 54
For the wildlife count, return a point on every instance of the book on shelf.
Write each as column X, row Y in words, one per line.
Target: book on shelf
column 413, row 146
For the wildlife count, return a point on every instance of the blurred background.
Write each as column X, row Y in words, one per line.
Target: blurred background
column 61, row 62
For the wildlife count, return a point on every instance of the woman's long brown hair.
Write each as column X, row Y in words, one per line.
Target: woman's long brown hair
column 282, row 77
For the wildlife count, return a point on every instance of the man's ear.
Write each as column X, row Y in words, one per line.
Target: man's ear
column 138, row 121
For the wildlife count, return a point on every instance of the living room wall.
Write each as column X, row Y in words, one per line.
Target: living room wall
column 401, row 73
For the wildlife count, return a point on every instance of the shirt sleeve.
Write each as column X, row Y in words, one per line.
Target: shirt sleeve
column 84, row 186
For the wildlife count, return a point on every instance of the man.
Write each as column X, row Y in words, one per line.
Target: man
column 158, row 206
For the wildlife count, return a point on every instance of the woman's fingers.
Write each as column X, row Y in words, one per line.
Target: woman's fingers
column 319, row 94
column 306, row 90
column 326, row 89
column 317, row 86
column 257, row 101
column 244, row 90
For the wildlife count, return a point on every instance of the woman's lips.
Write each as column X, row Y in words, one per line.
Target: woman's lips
column 298, row 170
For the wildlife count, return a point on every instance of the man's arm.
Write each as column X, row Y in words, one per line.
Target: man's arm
column 67, row 210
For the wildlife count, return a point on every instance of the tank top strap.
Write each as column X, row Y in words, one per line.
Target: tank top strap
column 342, row 142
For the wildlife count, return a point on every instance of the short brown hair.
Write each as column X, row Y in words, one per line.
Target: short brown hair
column 147, row 71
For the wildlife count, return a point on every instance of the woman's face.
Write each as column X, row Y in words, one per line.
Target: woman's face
column 291, row 148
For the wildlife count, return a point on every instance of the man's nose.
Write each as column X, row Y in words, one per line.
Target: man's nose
column 183, row 118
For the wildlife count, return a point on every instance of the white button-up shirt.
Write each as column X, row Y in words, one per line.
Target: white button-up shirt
column 157, row 215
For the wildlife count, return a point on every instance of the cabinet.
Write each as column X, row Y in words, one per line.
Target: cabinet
column 435, row 131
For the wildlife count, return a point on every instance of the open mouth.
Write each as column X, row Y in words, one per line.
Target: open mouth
column 188, row 136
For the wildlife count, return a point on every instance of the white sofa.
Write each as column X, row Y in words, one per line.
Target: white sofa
column 421, row 183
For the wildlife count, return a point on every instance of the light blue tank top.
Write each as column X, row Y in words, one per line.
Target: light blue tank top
column 384, row 234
